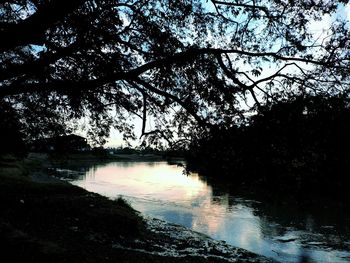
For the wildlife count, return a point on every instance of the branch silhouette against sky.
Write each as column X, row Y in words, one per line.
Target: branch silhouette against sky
column 182, row 66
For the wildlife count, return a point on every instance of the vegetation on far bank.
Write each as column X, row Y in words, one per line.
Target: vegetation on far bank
column 300, row 146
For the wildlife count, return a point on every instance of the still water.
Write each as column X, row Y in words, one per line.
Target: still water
column 163, row 191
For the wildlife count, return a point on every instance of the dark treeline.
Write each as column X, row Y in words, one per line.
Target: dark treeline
column 301, row 145
column 12, row 138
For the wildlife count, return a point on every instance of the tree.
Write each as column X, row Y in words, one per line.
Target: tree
column 298, row 145
column 189, row 65
column 11, row 139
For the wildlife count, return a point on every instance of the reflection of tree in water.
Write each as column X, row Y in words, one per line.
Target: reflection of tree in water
column 315, row 226
column 150, row 164
column 304, row 257
column 312, row 228
column 270, row 229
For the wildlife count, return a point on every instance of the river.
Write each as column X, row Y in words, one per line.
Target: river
column 282, row 232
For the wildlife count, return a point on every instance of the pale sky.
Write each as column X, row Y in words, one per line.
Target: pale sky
column 116, row 139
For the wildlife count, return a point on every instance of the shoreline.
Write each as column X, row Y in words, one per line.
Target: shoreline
column 54, row 221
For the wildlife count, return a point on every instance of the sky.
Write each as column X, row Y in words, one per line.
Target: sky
column 116, row 140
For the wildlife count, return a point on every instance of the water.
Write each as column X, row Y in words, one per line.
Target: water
column 285, row 233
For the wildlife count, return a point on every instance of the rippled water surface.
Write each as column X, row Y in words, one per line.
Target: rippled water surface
column 285, row 233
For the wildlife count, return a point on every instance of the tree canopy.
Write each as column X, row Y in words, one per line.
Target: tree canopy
column 187, row 65
column 299, row 145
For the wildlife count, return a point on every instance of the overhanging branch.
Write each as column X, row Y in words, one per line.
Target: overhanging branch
column 32, row 29
column 165, row 94
column 132, row 74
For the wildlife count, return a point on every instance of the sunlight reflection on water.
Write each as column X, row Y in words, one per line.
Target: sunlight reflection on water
column 165, row 192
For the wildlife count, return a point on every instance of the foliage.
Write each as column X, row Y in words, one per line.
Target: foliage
column 301, row 143
column 184, row 65
column 11, row 135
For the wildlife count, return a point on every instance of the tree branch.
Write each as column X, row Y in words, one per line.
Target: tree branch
column 165, row 94
column 133, row 74
column 232, row 76
column 262, row 8
column 32, row 29
column 144, row 114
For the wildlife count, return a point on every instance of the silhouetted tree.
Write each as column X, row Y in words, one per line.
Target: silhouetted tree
column 301, row 144
column 12, row 138
column 189, row 65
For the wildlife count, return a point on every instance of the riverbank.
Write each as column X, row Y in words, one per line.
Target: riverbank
column 53, row 221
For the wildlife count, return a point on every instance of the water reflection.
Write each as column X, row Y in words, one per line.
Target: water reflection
column 285, row 233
